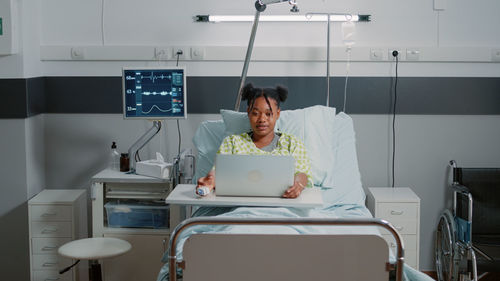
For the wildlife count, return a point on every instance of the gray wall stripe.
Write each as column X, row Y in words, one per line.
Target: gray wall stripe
column 366, row 95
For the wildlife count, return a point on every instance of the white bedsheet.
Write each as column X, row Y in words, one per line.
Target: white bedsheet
column 329, row 211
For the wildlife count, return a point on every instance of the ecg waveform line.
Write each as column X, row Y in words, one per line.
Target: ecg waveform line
column 153, row 77
column 163, row 93
column 154, row 105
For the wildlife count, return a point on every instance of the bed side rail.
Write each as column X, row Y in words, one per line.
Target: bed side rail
column 172, row 259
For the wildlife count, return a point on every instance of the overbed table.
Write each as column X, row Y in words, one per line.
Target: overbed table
column 184, row 195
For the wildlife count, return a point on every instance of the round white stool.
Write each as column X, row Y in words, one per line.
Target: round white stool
column 94, row 249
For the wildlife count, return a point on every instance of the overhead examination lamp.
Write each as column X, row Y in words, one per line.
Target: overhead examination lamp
column 260, row 6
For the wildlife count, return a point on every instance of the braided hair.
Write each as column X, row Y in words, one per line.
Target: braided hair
column 250, row 94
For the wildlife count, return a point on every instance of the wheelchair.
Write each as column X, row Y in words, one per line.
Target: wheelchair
column 468, row 237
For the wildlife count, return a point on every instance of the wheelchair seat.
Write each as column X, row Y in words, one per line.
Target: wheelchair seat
column 484, row 185
column 468, row 237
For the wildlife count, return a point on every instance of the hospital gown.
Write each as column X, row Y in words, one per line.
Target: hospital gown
column 287, row 145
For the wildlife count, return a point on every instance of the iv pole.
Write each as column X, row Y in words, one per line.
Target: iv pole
column 260, row 6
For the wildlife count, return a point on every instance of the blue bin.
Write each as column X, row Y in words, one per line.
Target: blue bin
column 137, row 215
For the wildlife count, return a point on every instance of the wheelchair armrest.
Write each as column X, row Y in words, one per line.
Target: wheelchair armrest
column 460, row 188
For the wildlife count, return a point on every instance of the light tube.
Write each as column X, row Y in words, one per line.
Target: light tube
column 283, row 18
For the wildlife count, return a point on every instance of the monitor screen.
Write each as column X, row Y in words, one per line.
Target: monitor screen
column 154, row 93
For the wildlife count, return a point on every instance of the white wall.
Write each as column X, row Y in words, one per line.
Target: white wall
column 35, row 154
column 441, row 35
column 14, row 260
column 76, row 146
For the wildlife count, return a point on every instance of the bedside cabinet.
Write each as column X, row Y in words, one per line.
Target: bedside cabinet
column 55, row 218
column 401, row 207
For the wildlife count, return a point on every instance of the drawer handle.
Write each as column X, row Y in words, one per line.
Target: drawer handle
column 49, row 248
column 48, row 214
column 46, row 231
column 52, row 279
column 49, row 264
column 397, row 213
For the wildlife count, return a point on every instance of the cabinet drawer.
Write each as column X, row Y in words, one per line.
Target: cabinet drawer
column 46, row 275
column 50, row 229
column 402, row 226
column 50, row 213
column 409, row 242
column 394, row 211
column 47, row 245
column 50, row 262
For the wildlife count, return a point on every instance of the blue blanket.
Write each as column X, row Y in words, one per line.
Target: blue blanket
column 328, row 211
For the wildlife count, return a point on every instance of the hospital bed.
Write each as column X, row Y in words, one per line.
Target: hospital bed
column 336, row 241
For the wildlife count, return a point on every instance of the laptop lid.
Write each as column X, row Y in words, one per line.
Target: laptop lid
column 253, row 175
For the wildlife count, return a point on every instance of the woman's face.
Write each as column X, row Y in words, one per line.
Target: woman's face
column 262, row 117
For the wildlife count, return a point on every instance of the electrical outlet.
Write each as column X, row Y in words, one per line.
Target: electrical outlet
column 376, row 54
column 163, row 53
column 77, row 53
column 182, row 52
column 391, row 57
column 197, row 53
column 495, row 55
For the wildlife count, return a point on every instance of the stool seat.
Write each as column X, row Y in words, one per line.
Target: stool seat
column 94, row 248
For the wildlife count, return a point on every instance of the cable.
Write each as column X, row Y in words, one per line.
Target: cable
column 178, row 53
column 438, row 29
column 347, row 76
column 395, row 54
column 180, row 139
column 102, row 22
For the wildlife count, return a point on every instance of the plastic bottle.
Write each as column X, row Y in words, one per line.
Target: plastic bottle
column 124, row 162
column 114, row 161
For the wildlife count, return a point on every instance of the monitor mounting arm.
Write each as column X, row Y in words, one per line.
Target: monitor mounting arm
column 141, row 142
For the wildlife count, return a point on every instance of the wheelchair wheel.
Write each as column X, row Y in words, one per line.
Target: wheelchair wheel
column 445, row 248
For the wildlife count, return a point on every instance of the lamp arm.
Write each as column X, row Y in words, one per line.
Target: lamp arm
column 247, row 59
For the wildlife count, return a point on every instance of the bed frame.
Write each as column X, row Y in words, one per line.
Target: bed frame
column 245, row 257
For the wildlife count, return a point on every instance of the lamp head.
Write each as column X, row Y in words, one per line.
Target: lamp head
column 260, row 5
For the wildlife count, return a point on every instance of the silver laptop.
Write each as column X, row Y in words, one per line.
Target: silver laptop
column 253, row 175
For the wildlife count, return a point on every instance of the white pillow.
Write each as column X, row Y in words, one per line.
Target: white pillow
column 312, row 125
column 236, row 122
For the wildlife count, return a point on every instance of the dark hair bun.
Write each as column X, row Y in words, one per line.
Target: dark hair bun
column 282, row 93
column 247, row 92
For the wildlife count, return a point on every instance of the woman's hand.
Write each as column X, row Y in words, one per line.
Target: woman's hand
column 208, row 181
column 299, row 184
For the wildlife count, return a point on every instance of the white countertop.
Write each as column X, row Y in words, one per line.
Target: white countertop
column 108, row 175
column 397, row 194
column 184, row 194
column 57, row 196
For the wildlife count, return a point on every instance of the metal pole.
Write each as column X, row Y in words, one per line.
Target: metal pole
column 247, row 60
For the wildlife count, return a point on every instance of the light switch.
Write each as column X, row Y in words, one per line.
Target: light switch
column 376, row 54
column 495, row 55
column 412, row 54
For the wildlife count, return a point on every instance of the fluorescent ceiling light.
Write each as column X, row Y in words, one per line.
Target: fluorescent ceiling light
column 282, row 18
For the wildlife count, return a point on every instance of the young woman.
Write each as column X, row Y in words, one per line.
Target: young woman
column 263, row 112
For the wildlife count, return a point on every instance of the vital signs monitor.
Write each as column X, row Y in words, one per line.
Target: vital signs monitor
column 154, row 93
